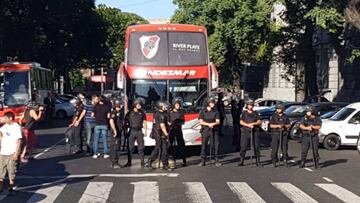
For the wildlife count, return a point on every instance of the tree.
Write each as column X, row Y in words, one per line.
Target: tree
column 116, row 23
column 238, row 31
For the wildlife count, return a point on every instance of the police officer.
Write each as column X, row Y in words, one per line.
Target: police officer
column 136, row 121
column 249, row 120
column 77, row 125
column 310, row 125
column 209, row 120
column 161, row 135
column 176, row 121
column 279, row 125
column 116, row 124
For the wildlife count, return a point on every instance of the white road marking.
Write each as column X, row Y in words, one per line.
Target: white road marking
column 146, row 192
column 244, row 192
column 340, row 192
column 96, row 192
column 196, row 192
column 328, row 179
column 293, row 193
column 308, row 169
column 171, row 175
column 48, row 149
column 45, row 195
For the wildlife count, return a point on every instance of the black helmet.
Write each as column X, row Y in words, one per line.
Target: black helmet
column 177, row 100
column 250, row 102
column 138, row 100
column 280, row 106
column 311, row 109
column 210, row 99
column 118, row 102
column 160, row 105
column 76, row 101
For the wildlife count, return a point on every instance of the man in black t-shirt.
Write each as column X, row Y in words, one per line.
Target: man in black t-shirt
column 136, row 122
column 101, row 112
column 116, row 125
column 279, row 125
column 249, row 120
column 161, row 135
column 310, row 125
column 209, row 120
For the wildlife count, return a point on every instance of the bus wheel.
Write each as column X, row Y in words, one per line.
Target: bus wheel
column 61, row 114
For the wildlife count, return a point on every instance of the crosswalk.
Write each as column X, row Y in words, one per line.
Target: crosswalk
column 194, row 192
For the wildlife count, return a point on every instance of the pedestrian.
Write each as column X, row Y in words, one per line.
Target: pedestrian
column 209, row 119
column 279, row 126
column 250, row 121
column 76, row 125
column 176, row 120
column 90, row 123
column 161, row 136
column 136, row 120
column 221, row 109
column 10, row 139
column 101, row 112
column 117, row 117
column 310, row 125
column 49, row 102
column 32, row 115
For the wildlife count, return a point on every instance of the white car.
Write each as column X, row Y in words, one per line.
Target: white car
column 265, row 103
column 63, row 109
column 342, row 129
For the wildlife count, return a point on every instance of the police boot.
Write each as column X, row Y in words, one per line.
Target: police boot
column 258, row 163
column 217, row 163
column 128, row 164
column 148, row 164
column 184, row 162
column 302, row 164
column 274, row 164
column 202, row 163
column 241, row 162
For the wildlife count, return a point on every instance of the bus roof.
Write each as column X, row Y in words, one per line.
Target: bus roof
column 20, row 66
column 166, row 27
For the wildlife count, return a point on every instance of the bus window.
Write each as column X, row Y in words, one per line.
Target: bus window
column 150, row 90
column 15, row 88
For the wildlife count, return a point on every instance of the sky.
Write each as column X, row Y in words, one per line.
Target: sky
column 144, row 8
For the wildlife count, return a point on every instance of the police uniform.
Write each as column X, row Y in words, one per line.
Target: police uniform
column 161, row 140
column 276, row 133
column 135, row 122
column 76, row 131
column 206, row 132
column 249, row 117
column 177, row 119
column 306, row 136
column 115, row 142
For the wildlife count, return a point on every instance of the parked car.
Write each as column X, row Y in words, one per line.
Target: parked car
column 265, row 114
column 358, row 143
column 295, row 113
column 63, row 109
column 265, row 103
column 317, row 98
column 342, row 129
column 66, row 97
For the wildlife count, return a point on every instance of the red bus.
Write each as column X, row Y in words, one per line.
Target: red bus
column 167, row 61
column 21, row 83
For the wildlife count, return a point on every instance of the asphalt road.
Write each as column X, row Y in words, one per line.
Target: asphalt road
column 56, row 176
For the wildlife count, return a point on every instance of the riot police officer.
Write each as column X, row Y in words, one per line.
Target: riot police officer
column 136, row 121
column 310, row 125
column 117, row 125
column 209, row 120
column 77, row 125
column 279, row 125
column 161, row 135
column 176, row 120
column 249, row 120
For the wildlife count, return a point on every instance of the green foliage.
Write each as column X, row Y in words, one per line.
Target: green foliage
column 117, row 22
column 326, row 18
column 238, row 30
column 76, row 78
column 354, row 55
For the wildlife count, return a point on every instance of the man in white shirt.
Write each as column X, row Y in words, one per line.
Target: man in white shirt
column 10, row 138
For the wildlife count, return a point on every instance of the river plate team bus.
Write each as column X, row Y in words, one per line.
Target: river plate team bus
column 167, row 61
column 21, row 83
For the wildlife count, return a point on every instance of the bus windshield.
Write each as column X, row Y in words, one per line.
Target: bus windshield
column 14, row 88
column 192, row 91
column 167, row 49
